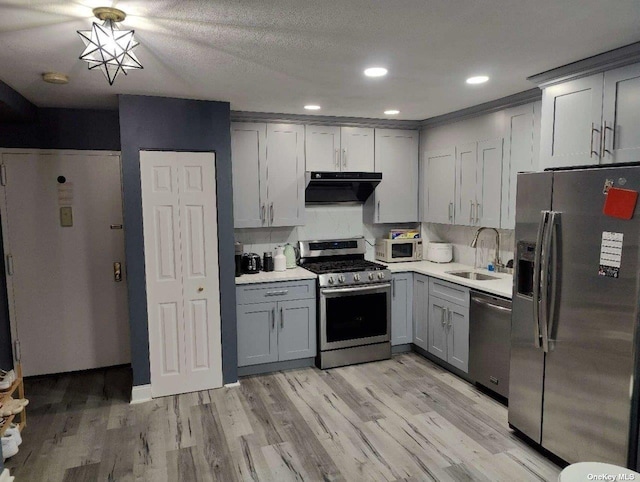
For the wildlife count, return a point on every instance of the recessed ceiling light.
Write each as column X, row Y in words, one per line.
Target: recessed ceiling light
column 480, row 79
column 392, row 112
column 312, row 107
column 375, row 72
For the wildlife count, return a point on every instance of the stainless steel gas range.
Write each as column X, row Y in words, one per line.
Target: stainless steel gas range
column 354, row 302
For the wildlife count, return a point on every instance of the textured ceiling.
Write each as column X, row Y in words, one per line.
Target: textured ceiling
column 277, row 55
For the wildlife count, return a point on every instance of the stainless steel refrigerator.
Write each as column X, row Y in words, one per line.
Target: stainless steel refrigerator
column 574, row 341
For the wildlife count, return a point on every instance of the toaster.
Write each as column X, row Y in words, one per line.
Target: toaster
column 439, row 252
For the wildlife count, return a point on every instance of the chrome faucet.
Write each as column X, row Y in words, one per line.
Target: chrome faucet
column 496, row 260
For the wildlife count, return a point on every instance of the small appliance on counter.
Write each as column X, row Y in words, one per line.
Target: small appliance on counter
column 438, row 252
column 279, row 260
column 267, row 261
column 398, row 250
column 292, row 255
column 238, row 257
column 251, row 263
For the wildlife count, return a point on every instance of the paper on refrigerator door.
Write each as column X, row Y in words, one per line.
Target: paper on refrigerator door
column 610, row 254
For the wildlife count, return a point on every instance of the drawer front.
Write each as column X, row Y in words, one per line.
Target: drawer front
column 281, row 291
column 449, row 291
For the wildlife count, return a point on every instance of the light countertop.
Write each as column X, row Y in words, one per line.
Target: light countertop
column 271, row 276
column 500, row 287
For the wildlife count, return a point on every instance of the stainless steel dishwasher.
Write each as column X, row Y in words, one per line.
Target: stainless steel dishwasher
column 490, row 341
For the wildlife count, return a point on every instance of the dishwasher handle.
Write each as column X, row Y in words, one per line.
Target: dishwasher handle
column 489, row 304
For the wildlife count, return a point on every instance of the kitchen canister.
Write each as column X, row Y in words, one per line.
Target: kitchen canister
column 279, row 260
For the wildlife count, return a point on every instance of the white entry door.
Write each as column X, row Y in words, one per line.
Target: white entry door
column 181, row 258
column 62, row 224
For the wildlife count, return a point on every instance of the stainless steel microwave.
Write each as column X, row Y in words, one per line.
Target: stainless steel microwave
column 398, row 250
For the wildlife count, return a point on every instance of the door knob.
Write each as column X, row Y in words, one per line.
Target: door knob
column 201, row 289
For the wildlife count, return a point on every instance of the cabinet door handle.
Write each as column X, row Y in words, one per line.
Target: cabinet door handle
column 271, row 211
column 273, row 318
column 451, row 212
column 276, row 293
column 281, row 318
column 478, row 206
column 592, row 152
column 336, row 155
column 604, row 139
column 378, row 210
column 444, row 317
column 344, row 157
column 471, row 211
column 262, row 213
column 393, row 287
column 449, row 316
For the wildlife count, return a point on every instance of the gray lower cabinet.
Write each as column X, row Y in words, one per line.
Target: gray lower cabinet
column 279, row 330
column 401, row 308
column 421, row 311
column 449, row 332
column 257, row 336
column 448, row 323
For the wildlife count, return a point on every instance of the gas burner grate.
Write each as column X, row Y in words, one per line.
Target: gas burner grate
column 346, row 266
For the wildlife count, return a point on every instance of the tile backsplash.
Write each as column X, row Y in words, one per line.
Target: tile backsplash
column 346, row 221
column 323, row 222
column 461, row 236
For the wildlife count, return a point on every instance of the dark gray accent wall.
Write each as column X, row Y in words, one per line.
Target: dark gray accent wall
column 13, row 106
column 158, row 123
column 64, row 129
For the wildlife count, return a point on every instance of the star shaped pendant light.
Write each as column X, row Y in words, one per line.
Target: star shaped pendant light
column 108, row 48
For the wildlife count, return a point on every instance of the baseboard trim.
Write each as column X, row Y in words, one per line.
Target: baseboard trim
column 275, row 367
column 232, row 385
column 140, row 394
column 5, row 476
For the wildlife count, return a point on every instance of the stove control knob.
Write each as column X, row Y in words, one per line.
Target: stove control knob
column 356, row 277
column 380, row 275
column 341, row 279
column 370, row 276
column 330, row 280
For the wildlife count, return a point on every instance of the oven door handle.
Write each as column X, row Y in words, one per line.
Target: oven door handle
column 356, row 289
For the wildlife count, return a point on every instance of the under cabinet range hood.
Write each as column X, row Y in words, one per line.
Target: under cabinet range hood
column 340, row 187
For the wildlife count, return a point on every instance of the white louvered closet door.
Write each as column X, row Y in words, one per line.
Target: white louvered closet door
column 181, row 259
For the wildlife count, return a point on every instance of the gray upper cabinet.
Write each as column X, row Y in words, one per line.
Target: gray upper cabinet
column 401, row 308
column 268, row 174
column 439, row 186
column 322, row 148
column 330, row 148
column 357, row 149
column 395, row 200
column 421, row 311
column 478, row 183
column 285, row 174
column 621, row 115
column 521, row 152
column 571, row 123
column 592, row 120
column 249, row 165
column 467, row 163
column 489, row 183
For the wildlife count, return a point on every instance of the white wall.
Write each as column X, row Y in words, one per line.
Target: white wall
column 323, row 222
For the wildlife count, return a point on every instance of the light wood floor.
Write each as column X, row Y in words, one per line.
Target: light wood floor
column 400, row 419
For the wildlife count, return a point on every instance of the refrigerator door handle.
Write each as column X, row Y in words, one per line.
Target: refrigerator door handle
column 554, row 226
column 544, row 216
column 544, row 282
